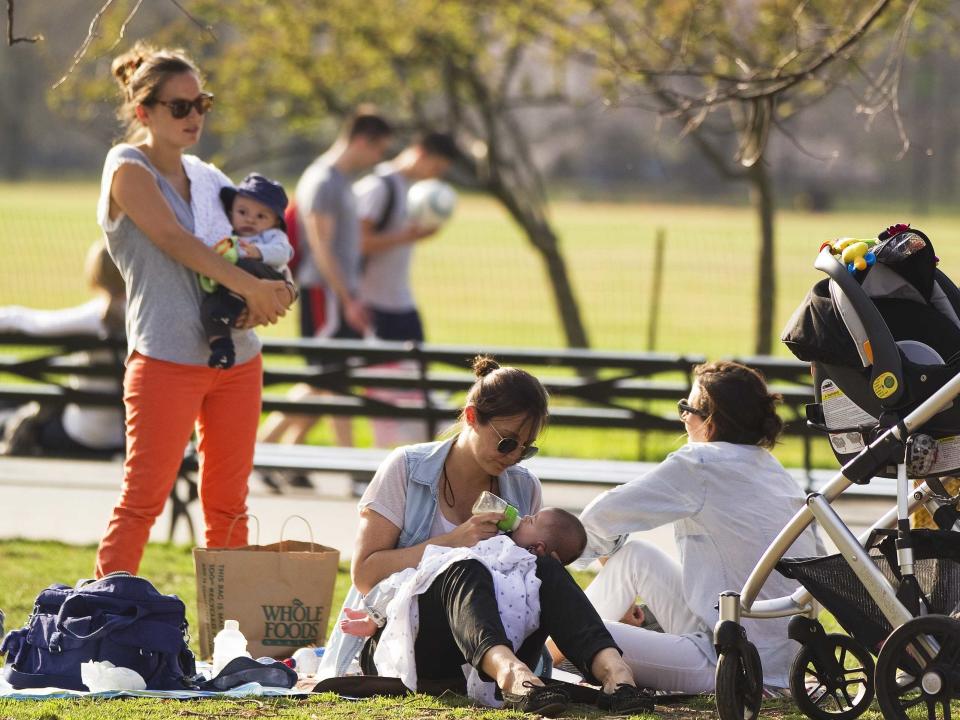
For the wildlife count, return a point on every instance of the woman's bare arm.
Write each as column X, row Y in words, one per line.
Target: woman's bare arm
column 376, row 554
column 135, row 192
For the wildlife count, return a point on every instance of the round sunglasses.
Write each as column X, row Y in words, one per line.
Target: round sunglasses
column 179, row 109
column 508, row 445
column 685, row 407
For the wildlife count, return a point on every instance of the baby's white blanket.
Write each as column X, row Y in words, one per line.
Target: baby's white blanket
column 518, row 598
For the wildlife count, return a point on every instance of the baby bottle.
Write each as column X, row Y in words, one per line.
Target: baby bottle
column 488, row 502
column 227, row 645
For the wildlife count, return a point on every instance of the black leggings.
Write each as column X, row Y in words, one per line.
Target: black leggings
column 460, row 622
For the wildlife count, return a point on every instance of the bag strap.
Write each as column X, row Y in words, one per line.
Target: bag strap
column 305, row 522
column 233, row 524
column 116, row 622
column 388, row 205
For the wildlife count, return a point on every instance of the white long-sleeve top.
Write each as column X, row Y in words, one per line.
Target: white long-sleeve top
column 727, row 503
column 94, row 427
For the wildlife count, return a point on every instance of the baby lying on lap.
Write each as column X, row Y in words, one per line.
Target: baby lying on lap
column 552, row 531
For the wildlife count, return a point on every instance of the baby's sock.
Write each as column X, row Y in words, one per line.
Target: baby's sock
column 222, row 354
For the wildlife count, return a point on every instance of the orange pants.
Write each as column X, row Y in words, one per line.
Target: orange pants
column 163, row 401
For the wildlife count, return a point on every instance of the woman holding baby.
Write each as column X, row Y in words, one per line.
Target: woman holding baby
column 423, row 495
column 160, row 210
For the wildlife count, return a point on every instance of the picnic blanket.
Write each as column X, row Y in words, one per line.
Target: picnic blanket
column 249, row 690
column 252, row 689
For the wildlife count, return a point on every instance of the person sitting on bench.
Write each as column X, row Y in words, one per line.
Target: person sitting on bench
column 73, row 429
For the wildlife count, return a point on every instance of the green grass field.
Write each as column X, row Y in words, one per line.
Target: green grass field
column 26, row 567
column 480, row 284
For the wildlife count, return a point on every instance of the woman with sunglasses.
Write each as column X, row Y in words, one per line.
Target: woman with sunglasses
column 423, row 494
column 158, row 207
column 727, row 498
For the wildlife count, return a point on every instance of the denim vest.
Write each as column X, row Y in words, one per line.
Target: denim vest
column 424, row 465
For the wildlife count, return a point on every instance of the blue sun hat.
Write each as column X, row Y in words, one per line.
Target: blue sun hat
column 263, row 190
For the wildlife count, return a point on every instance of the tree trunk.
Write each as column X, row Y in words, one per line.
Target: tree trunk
column 766, row 279
column 921, row 132
column 544, row 240
column 14, row 119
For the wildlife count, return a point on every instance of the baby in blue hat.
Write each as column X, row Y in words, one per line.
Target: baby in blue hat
column 260, row 246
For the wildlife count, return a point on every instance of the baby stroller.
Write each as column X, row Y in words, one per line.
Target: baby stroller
column 882, row 335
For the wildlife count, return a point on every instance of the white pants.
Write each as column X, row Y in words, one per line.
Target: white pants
column 670, row 660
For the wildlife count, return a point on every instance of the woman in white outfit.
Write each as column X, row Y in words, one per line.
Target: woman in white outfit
column 727, row 498
column 33, row 429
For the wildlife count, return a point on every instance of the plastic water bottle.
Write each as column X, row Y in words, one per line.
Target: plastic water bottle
column 488, row 502
column 307, row 660
column 227, row 645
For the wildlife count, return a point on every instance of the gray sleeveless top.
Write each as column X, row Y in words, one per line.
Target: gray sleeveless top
column 163, row 296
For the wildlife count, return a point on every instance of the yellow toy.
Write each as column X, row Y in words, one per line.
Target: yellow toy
column 855, row 253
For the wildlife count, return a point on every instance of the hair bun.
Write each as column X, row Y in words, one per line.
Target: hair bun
column 124, row 66
column 483, row 365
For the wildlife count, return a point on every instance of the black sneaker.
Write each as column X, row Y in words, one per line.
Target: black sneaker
column 626, row 700
column 548, row 701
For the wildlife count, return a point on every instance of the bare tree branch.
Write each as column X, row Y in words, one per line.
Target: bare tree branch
column 123, row 28
column 749, row 86
column 93, row 33
column 11, row 38
column 795, row 141
column 87, row 41
column 206, row 28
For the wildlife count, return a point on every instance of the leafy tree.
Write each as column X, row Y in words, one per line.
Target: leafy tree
column 731, row 72
column 450, row 64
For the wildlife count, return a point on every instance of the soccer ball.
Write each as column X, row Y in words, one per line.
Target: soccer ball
column 430, row 203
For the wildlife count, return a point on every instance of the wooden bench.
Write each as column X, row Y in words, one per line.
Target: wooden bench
column 589, row 389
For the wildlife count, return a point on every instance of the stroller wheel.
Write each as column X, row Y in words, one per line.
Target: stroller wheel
column 739, row 682
column 833, row 679
column 919, row 664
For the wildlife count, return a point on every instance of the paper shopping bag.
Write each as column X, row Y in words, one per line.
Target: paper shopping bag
column 280, row 594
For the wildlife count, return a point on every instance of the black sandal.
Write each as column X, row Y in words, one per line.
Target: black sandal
column 548, row 701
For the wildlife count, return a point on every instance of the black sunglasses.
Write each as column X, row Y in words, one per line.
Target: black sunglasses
column 684, row 407
column 179, row 109
column 508, row 445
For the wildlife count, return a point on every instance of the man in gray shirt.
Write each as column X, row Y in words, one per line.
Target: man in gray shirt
column 387, row 240
column 328, row 264
column 388, row 236
column 329, row 231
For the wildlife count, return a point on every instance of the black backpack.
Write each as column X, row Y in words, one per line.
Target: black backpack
column 120, row 618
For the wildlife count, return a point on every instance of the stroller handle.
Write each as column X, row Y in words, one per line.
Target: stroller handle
column 840, row 482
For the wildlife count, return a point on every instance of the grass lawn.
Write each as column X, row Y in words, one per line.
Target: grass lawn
column 480, row 284
column 26, row 567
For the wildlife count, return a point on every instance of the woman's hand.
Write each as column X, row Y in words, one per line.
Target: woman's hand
column 267, row 301
column 477, row 528
column 634, row 616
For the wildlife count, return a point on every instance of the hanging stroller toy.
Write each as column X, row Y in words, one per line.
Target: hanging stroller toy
column 882, row 335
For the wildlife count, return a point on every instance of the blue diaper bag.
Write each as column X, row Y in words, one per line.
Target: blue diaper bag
column 120, row 618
